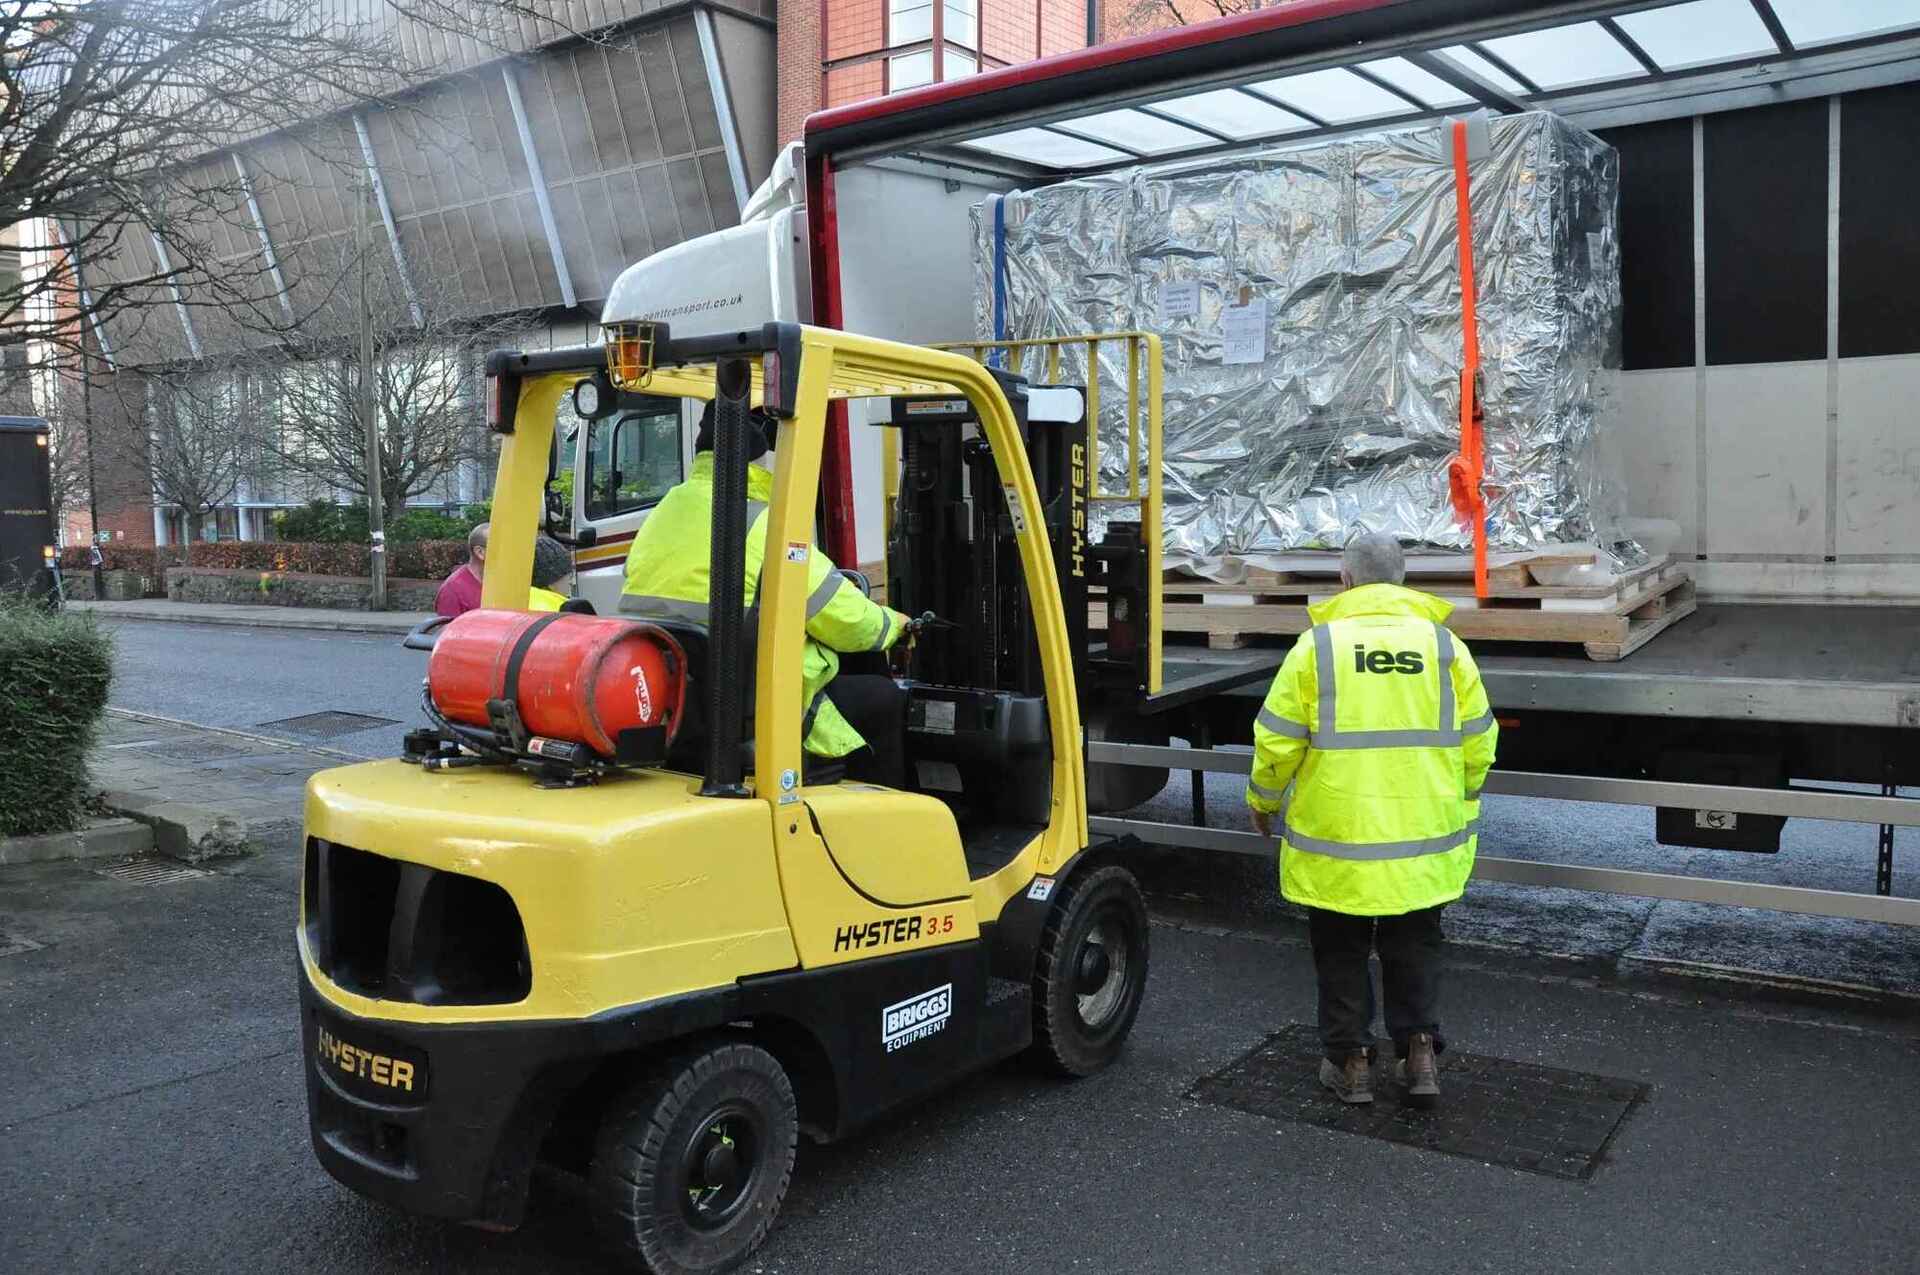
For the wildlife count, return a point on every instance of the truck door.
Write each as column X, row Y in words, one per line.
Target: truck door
column 622, row 465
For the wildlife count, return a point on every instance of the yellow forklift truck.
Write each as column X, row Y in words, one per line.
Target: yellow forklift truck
column 657, row 967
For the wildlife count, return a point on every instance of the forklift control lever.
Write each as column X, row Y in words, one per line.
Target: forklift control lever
column 928, row 620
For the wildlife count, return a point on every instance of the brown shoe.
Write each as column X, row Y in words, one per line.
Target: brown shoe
column 1419, row 1073
column 1351, row 1082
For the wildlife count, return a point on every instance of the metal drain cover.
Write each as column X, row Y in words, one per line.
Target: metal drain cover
column 13, row 944
column 328, row 725
column 1540, row 1119
column 151, row 870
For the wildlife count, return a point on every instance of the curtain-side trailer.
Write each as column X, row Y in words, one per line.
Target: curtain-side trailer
column 1771, row 356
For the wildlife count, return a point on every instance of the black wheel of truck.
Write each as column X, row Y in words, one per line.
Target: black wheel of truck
column 1091, row 972
column 693, row 1160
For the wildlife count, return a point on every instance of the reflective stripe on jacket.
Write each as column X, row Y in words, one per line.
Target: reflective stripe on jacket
column 667, row 575
column 1379, row 720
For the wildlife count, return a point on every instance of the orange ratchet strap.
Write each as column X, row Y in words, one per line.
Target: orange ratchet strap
column 1466, row 470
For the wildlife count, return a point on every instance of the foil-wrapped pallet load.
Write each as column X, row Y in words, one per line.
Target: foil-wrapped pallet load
column 1309, row 303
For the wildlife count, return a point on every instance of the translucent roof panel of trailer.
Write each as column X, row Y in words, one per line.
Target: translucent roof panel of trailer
column 1319, row 67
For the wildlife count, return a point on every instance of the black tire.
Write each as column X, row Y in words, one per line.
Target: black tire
column 692, row 1161
column 1084, row 1002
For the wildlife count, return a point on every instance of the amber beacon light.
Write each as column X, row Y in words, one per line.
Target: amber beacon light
column 630, row 349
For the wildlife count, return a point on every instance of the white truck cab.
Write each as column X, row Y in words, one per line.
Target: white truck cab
column 611, row 472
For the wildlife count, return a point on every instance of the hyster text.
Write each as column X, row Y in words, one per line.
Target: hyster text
column 395, row 1073
column 895, row 929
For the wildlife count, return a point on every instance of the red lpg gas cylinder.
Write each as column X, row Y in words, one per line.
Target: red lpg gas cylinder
column 580, row 678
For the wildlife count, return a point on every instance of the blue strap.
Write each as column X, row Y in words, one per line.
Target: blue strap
column 999, row 277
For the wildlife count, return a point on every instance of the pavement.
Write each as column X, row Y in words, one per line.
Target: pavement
column 255, row 617
column 207, row 793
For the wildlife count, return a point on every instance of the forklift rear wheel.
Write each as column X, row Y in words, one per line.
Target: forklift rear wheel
column 693, row 1160
column 1091, row 972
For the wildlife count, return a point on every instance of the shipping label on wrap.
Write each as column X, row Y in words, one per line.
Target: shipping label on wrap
column 1179, row 299
column 1243, row 333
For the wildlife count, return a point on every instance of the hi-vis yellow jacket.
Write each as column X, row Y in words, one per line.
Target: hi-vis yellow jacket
column 1379, row 720
column 667, row 575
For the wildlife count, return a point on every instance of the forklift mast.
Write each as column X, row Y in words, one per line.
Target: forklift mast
column 953, row 549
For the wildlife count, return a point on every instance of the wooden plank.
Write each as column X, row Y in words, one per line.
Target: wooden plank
column 1660, row 597
column 1267, row 587
column 1500, row 624
column 1651, row 620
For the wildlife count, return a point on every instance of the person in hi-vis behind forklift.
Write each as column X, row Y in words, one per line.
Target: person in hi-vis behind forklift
column 861, row 717
column 1379, row 721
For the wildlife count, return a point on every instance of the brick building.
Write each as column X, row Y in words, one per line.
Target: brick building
column 832, row 52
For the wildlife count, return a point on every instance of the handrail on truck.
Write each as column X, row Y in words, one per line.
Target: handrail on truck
column 1142, row 353
column 1800, row 801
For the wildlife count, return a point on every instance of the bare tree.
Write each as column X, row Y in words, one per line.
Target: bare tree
column 63, row 401
column 191, row 433
column 426, row 350
column 112, row 114
column 1157, row 15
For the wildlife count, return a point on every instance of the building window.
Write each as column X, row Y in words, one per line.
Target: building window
column 926, row 43
column 962, row 28
column 909, row 21
column 909, row 70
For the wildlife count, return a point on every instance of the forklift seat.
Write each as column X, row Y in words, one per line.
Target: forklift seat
column 689, row 750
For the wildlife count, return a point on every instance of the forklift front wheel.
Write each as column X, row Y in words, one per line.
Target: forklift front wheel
column 693, row 1160
column 1091, row 972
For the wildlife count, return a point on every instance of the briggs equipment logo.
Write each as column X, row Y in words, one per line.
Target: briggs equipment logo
column 916, row 1018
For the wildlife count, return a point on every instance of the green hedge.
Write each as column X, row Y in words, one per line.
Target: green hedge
column 417, row 560
column 54, row 673
column 323, row 522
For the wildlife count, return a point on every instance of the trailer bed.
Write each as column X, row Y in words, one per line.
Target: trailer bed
column 1804, row 663
column 1801, row 663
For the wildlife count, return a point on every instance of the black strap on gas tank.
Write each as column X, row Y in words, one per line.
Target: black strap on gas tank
column 511, row 690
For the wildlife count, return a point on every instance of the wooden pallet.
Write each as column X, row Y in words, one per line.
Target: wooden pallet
column 1316, row 575
column 1610, row 622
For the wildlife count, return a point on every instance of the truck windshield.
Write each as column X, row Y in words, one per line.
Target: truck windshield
column 632, row 459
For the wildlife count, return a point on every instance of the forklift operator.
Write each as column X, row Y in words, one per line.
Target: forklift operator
column 860, row 718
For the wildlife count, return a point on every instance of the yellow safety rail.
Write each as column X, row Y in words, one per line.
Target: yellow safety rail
column 1143, row 403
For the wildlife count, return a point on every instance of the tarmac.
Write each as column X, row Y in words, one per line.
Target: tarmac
column 152, row 1117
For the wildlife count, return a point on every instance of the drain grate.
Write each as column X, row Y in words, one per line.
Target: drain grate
column 145, row 869
column 1540, row 1119
column 328, row 725
column 13, row 944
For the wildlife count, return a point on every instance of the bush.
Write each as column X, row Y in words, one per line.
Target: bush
column 412, row 560
column 419, row 560
column 55, row 668
column 427, row 524
column 323, row 522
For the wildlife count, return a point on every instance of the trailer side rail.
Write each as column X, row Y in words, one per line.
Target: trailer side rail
column 1829, row 804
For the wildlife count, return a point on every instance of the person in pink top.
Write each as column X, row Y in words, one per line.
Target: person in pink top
column 460, row 592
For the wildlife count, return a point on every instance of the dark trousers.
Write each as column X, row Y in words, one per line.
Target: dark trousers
column 876, row 707
column 1410, row 968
